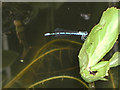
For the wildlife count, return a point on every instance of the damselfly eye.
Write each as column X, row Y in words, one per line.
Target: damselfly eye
column 86, row 33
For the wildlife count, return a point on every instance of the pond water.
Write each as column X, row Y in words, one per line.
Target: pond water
column 34, row 57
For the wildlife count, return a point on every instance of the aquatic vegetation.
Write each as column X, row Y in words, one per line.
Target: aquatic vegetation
column 99, row 42
column 56, row 77
column 39, row 59
column 51, row 62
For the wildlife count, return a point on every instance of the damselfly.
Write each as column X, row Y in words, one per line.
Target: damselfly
column 63, row 32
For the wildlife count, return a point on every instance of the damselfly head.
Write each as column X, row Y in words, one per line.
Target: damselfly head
column 86, row 33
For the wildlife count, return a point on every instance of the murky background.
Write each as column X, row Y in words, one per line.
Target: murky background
column 29, row 57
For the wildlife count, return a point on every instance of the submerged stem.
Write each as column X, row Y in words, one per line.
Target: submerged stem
column 92, row 86
column 57, row 77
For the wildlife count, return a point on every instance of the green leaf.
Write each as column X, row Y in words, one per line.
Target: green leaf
column 115, row 60
column 98, row 43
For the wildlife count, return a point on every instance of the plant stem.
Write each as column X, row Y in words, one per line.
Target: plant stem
column 92, row 86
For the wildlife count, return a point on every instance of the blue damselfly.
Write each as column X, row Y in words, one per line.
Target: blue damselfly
column 63, row 32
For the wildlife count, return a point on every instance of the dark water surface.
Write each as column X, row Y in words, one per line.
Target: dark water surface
column 39, row 18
